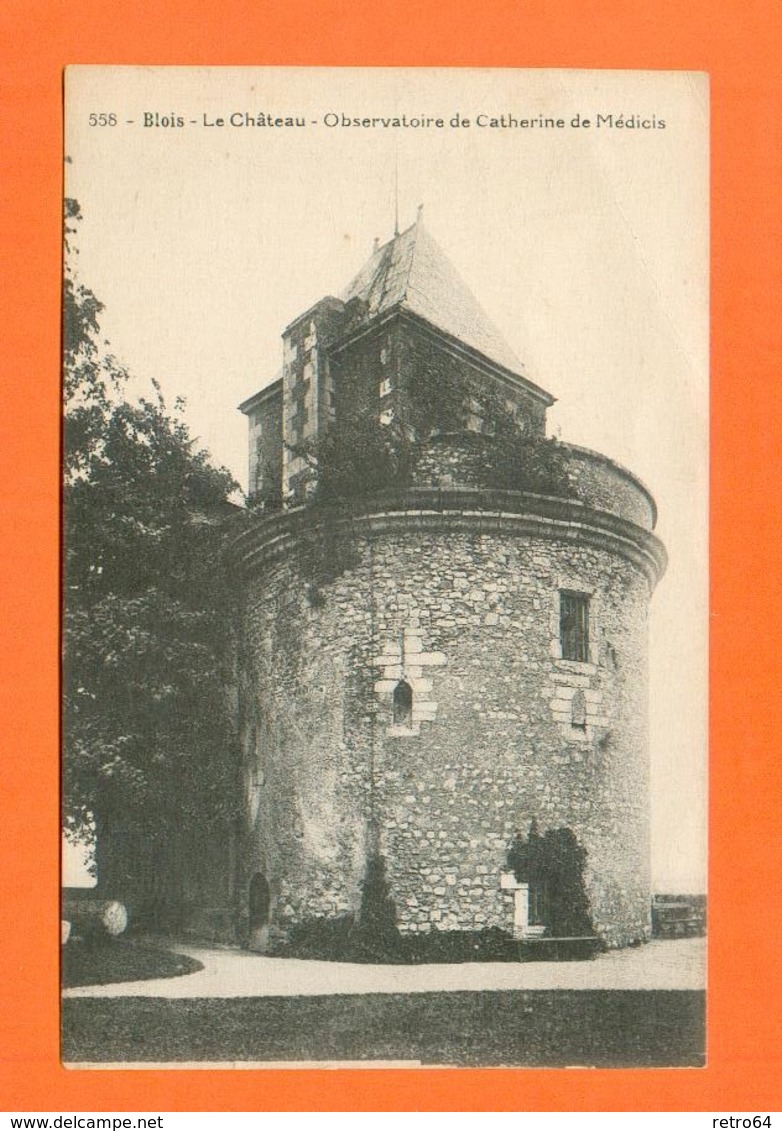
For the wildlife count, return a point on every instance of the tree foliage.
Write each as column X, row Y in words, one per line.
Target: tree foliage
column 358, row 456
column 92, row 377
column 516, row 456
column 144, row 638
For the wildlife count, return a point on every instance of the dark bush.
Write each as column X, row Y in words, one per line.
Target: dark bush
column 553, row 864
column 344, row 940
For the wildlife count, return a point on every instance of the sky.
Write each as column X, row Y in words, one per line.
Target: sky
column 586, row 245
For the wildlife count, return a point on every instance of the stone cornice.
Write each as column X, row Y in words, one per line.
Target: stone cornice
column 430, row 510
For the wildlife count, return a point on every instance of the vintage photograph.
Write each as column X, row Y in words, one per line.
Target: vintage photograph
column 384, row 567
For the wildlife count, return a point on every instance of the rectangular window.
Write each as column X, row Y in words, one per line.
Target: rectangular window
column 574, row 626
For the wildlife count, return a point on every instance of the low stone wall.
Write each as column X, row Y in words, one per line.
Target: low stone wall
column 601, row 483
column 464, row 460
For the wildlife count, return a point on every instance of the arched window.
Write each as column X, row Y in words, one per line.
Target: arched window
column 260, row 901
column 403, row 704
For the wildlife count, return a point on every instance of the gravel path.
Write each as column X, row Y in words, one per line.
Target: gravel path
column 660, row 965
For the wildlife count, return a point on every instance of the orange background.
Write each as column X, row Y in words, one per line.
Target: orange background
column 739, row 43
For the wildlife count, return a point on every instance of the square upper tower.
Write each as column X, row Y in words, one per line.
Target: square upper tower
column 406, row 320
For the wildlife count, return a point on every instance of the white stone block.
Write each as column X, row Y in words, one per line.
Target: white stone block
column 385, row 686
column 431, row 659
column 570, row 679
column 424, row 712
column 420, row 687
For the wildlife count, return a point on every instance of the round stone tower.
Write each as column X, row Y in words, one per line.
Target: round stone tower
column 428, row 669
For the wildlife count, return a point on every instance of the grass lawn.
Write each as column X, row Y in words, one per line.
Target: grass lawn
column 98, row 963
column 555, row 1028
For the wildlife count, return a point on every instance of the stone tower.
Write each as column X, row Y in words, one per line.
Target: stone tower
column 442, row 633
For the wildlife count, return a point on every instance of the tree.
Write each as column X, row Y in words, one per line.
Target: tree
column 92, row 377
column 145, row 649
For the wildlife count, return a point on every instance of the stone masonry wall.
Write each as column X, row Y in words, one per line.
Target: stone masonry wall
column 471, row 622
column 426, row 362
column 401, row 367
column 265, row 440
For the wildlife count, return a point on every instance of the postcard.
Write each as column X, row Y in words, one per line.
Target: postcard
column 385, row 585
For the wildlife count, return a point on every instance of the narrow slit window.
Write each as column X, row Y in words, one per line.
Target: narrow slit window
column 574, row 626
column 538, row 904
column 403, row 704
column 579, row 710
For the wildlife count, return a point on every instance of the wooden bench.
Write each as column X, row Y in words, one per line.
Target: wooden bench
column 693, row 925
column 671, row 919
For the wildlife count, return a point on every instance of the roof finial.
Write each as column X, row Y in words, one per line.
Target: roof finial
column 375, row 244
column 420, row 215
column 396, row 193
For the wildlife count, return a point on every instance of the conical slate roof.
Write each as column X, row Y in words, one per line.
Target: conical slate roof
column 411, row 271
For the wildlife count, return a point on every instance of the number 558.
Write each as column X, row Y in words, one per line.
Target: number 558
column 103, row 119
